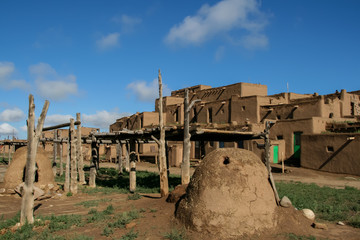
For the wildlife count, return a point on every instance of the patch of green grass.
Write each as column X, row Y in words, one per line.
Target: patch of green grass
column 69, row 194
column 327, row 203
column 134, row 196
column 175, row 234
column 25, row 232
column 107, row 232
column 4, row 161
column 9, row 222
column 63, row 222
column 82, row 237
column 130, row 235
column 96, row 216
column 124, row 218
column 109, row 181
column 92, row 203
column 60, row 179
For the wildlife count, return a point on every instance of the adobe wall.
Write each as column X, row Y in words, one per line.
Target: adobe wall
column 150, row 118
column 245, row 110
column 220, row 112
column 286, row 129
column 331, row 152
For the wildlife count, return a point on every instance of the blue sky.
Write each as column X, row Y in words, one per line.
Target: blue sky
column 101, row 58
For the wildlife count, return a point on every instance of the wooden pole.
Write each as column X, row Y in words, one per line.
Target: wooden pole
column 267, row 161
column 185, row 166
column 9, row 154
column 127, row 157
column 164, row 185
column 132, row 176
column 61, row 159
column 79, row 154
column 27, row 202
column 73, row 179
column 55, row 152
column 67, row 168
column 94, row 159
column 119, row 156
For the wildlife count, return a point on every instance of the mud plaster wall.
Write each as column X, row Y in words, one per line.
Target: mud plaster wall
column 14, row 174
column 245, row 109
column 286, row 130
column 341, row 155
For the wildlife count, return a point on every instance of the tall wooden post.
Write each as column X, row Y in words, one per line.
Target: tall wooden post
column 127, row 157
column 164, row 185
column 132, row 166
column 119, row 156
column 94, row 160
column 67, row 167
column 267, row 160
column 73, row 143
column 27, row 202
column 185, row 166
column 9, row 154
column 79, row 154
column 61, row 159
column 55, row 152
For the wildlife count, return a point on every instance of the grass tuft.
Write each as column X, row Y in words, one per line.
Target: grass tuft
column 175, row 234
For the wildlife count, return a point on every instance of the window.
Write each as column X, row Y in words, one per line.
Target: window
column 210, row 120
column 243, row 108
column 176, row 115
column 211, row 143
column 240, row 144
column 279, row 137
column 221, row 144
column 195, row 115
column 330, row 149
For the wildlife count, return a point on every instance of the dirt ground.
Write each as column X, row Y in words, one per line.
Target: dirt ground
column 157, row 216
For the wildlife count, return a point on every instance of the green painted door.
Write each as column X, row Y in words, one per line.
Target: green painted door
column 276, row 154
column 297, row 136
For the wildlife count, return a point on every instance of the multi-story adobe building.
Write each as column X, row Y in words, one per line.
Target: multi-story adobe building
column 246, row 107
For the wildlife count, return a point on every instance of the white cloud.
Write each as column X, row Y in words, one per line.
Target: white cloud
column 102, row 119
column 12, row 115
column 147, row 92
column 219, row 19
column 51, row 85
column 6, row 81
column 6, row 69
column 109, row 41
column 127, row 22
column 56, row 119
column 23, row 128
column 7, row 129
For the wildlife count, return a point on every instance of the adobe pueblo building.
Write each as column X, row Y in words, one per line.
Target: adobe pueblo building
column 315, row 131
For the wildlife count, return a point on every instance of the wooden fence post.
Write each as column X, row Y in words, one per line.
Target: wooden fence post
column 94, row 160
column 79, row 154
column 54, row 168
column 164, row 185
column 185, row 166
column 132, row 174
column 9, row 154
column 27, row 202
column 67, row 167
column 127, row 157
column 73, row 182
column 267, row 160
column 61, row 159
column 119, row 156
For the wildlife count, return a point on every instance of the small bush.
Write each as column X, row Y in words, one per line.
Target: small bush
column 134, row 196
column 107, row 232
column 175, row 235
column 124, row 218
column 130, row 235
